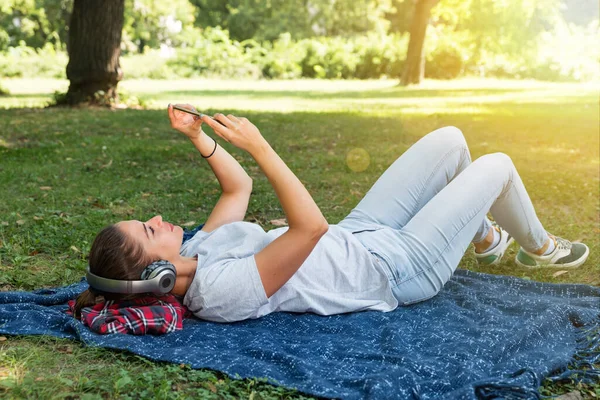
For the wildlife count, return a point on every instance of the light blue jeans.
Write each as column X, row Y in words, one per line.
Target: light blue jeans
column 420, row 216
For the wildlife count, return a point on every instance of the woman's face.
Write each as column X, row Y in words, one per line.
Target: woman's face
column 159, row 239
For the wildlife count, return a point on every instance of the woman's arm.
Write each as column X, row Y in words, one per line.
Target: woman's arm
column 279, row 260
column 230, row 174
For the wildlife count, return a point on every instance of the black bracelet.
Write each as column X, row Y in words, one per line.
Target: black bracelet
column 213, row 152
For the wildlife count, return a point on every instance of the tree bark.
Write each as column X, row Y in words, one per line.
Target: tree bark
column 94, row 48
column 414, row 66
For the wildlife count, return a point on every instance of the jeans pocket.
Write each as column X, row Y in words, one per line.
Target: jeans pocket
column 386, row 266
column 367, row 230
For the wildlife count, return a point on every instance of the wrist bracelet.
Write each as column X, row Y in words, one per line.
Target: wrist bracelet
column 213, row 152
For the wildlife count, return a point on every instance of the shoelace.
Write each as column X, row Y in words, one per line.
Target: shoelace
column 562, row 243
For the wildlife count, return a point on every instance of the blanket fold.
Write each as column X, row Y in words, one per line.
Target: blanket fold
column 484, row 336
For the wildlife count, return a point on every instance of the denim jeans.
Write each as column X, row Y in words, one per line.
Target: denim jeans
column 420, row 216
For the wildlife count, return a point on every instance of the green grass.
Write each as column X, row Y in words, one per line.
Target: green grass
column 66, row 173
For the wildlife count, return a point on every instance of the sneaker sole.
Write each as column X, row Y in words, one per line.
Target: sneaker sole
column 572, row 264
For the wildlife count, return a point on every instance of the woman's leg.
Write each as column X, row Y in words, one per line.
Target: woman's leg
column 427, row 250
column 411, row 181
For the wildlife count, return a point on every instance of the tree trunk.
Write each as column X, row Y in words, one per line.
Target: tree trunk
column 94, row 49
column 414, row 66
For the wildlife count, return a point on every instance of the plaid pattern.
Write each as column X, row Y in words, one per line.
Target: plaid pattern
column 141, row 316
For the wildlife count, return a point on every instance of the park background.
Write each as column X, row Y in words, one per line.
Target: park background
column 339, row 88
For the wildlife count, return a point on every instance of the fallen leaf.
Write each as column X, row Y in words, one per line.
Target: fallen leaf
column 45, row 187
column 20, row 222
column 37, row 218
column 278, row 222
column 75, row 249
column 39, row 378
column 2, row 338
column 559, row 273
column 97, row 204
column 190, row 223
column 66, row 349
column 4, row 223
column 212, row 387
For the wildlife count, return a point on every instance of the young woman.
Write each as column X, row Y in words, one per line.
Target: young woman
column 399, row 245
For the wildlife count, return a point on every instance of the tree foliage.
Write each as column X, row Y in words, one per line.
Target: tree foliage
column 519, row 38
column 150, row 23
column 267, row 19
column 34, row 22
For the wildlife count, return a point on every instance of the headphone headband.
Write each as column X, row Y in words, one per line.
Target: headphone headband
column 158, row 278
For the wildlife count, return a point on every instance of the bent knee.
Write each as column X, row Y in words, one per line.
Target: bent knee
column 448, row 136
column 500, row 160
column 496, row 164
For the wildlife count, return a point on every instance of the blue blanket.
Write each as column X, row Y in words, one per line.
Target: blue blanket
column 483, row 336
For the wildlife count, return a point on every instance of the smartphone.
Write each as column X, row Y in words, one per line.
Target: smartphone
column 194, row 113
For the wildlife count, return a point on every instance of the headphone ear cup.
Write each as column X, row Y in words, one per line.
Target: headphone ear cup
column 166, row 274
column 166, row 283
column 152, row 270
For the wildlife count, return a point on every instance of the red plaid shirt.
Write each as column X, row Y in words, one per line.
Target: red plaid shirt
column 141, row 316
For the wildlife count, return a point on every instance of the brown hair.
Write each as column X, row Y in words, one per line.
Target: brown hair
column 114, row 256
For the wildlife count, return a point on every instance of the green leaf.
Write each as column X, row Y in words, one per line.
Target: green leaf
column 122, row 382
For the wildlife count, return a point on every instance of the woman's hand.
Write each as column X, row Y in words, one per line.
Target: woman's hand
column 188, row 124
column 238, row 131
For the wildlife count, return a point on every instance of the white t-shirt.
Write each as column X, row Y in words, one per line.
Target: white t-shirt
column 340, row 275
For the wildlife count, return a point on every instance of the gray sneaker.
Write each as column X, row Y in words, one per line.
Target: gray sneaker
column 565, row 255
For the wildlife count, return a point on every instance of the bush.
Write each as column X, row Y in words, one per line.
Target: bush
column 444, row 63
column 150, row 65
column 340, row 59
column 447, row 52
column 3, row 91
column 567, row 53
column 330, row 58
column 310, row 65
column 281, row 59
column 214, row 54
column 26, row 62
column 380, row 55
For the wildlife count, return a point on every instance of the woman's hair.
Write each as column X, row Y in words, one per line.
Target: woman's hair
column 114, row 256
